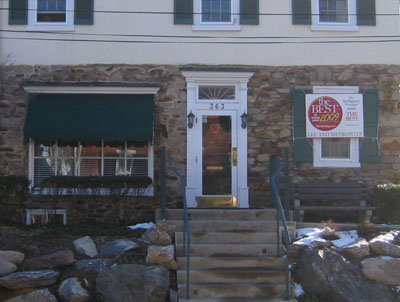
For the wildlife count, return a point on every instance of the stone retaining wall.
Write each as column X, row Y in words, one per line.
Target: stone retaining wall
column 269, row 109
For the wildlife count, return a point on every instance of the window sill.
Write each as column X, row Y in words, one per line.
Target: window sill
column 149, row 192
column 216, row 27
column 51, row 27
column 336, row 164
column 334, row 27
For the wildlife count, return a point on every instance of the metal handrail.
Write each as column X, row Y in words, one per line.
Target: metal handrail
column 274, row 181
column 186, row 226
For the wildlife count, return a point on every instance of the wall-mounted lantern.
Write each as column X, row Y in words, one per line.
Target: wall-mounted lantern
column 190, row 119
column 244, row 117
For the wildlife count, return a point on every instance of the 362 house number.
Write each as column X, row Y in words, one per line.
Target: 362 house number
column 217, row 106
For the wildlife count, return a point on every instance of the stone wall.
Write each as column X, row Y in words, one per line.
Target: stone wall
column 269, row 108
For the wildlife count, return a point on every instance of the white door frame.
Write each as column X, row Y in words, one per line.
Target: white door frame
column 238, row 106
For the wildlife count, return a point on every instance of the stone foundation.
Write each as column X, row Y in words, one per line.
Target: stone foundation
column 269, row 127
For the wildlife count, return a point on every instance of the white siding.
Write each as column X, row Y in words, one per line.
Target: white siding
column 75, row 51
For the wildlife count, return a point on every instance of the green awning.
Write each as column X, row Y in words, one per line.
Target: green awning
column 90, row 117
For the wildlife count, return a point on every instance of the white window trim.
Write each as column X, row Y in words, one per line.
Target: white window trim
column 331, row 26
column 234, row 25
column 52, row 26
column 354, row 160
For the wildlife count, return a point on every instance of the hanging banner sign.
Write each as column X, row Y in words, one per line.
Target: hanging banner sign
column 334, row 115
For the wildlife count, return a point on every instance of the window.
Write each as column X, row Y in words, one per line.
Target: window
column 216, row 15
column 334, row 15
column 89, row 159
column 345, row 15
column 336, row 152
column 215, row 92
column 51, row 15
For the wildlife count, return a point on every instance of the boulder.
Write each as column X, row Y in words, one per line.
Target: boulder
column 41, row 295
column 331, row 277
column 85, row 246
column 160, row 234
column 383, row 270
column 383, row 245
column 359, row 249
column 7, row 267
column 132, row 282
column 70, row 290
column 164, row 255
column 117, row 247
column 96, row 265
column 57, row 259
column 12, row 256
column 21, row 280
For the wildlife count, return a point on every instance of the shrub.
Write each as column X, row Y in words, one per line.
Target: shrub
column 116, row 188
column 387, row 203
column 366, row 229
column 14, row 194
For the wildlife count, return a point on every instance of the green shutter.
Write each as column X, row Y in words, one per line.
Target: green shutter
column 84, row 12
column 366, row 14
column 18, row 12
column 301, row 11
column 303, row 147
column 249, row 12
column 369, row 145
column 183, row 11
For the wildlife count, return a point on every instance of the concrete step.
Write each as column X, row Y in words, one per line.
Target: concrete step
column 232, row 276
column 218, row 263
column 227, row 226
column 232, row 299
column 233, row 250
column 229, row 237
column 220, row 214
column 226, row 290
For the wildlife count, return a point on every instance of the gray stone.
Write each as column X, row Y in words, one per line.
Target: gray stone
column 359, row 249
column 164, row 255
column 131, row 282
column 383, row 246
column 41, row 295
column 70, row 290
column 7, row 267
column 333, row 278
column 117, row 247
column 86, row 246
column 57, row 259
column 34, row 279
column 159, row 234
column 12, row 256
column 382, row 270
column 96, row 265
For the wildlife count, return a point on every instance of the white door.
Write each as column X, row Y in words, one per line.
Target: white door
column 217, row 139
column 217, row 159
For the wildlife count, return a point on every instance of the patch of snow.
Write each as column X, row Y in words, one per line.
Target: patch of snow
column 398, row 289
column 346, row 238
column 308, row 236
column 298, row 290
column 386, row 257
column 301, row 233
column 146, row 225
column 388, row 237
